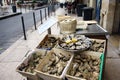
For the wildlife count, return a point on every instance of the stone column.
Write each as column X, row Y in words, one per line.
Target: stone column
column 116, row 18
column 107, row 14
column 110, row 15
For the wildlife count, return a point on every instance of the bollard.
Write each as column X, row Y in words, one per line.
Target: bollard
column 45, row 14
column 51, row 10
column 48, row 12
column 41, row 16
column 25, row 7
column 20, row 8
column 34, row 20
column 23, row 25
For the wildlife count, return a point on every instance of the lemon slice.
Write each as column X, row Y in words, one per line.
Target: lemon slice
column 68, row 41
column 74, row 40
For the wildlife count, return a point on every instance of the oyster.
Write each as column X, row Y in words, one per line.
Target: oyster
column 78, row 43
column 72, row 47
column 78, row 74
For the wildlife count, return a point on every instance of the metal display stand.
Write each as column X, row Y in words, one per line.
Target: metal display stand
column 94, row 31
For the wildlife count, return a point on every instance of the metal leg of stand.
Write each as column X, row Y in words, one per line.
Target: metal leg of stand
column 49, row 31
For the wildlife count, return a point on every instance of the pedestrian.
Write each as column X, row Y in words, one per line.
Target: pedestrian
column 65, row 4
column 53, row 7
column 61, row 5
column 69, row 7
column 1, row 3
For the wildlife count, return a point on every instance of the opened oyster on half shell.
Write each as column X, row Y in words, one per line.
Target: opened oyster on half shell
column 74, row 42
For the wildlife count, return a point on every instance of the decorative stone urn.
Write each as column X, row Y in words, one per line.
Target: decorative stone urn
column 68, row 26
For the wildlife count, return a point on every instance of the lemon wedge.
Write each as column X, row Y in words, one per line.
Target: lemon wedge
column 74, row 40
column 68, row 41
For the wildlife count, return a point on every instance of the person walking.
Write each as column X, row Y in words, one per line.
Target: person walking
column 1, row 3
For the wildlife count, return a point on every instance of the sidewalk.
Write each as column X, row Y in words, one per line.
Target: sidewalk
column 13, row 56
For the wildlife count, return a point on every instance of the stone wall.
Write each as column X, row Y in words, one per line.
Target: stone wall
column 116, row 18
column 107, row 14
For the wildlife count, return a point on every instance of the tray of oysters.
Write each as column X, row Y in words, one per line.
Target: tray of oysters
column 54, row 65
column 30, row 62
column 98, row 45
column 87, row 65
column 74, row 43
column 48, row 42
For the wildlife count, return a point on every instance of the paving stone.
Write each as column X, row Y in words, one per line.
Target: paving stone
column 8, row 71
column 10, row 49
column 115, row 40
column 112, row 52
column 112, row 71
column 15, row 55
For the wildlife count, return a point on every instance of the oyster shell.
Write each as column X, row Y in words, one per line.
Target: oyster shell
column 78, row 74
column 72, row 47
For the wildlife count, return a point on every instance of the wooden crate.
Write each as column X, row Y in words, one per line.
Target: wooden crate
column 100, row 40
column 29, row 75
column 96, row 54
column 47, row 76
column 46, row 39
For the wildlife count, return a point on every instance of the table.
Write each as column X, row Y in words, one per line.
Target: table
column 93, row 29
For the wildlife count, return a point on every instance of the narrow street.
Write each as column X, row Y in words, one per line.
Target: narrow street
column 11, row 28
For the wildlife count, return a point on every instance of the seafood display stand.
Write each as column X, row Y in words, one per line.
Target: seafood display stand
column 94, row 31
column 97, row 32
